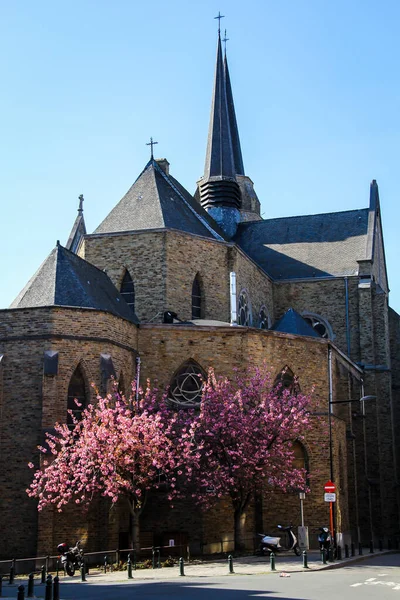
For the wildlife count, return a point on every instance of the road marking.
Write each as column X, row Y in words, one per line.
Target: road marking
column 374, row 581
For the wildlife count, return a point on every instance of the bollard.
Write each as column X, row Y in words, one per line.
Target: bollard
column 105, row 564
column 339, row 552
column 305, row 562
column 153, row 553
column 21, row 593
column 158, row 559
column 353, row 549
column 56, row 588
column 31, row 585
column 323, row 556
column 48, row 595
column 272, row 561
column 129, row 567
column 12, row 574
column 181, row 567
column 371, row 546
column 360, row 549
column 380, row 545
column 331, row 554
column 346, row 551
column 43, row 574
column 83, row 572
column 230, row 563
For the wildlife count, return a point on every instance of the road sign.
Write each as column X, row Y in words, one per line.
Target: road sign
column 330, row 497
column 329, row 487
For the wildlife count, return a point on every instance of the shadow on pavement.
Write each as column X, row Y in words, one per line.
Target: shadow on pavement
column 161, row 590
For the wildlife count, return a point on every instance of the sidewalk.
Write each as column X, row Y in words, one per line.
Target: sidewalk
column 285, row 564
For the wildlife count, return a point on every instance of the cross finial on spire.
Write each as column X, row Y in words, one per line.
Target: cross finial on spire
column 81, row 199
column 151, row 143
column 225, row 39
column 219, row 17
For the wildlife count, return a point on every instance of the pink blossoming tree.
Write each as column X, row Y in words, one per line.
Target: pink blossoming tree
column 117, row 449
column 245, row 431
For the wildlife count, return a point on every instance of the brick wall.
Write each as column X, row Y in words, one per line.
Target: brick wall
column 31, row 401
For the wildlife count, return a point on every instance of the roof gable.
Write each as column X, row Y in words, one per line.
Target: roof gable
column 293, row 322
column 65, row 279
column 157, row 201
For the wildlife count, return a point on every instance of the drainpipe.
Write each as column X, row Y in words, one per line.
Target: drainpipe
column 137, row 382
column 232, row 276
column 346, row 287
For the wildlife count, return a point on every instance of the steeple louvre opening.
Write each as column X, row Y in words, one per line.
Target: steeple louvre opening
column 217, row 191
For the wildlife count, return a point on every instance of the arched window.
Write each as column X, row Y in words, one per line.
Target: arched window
column 128, row 290
column 286, row 380
column 76, row 390
column 121, row 384
column 197, row 298
column 300, row 460
column 320, row 325
column 244, row 309
column 187, row 385
column 264, row 321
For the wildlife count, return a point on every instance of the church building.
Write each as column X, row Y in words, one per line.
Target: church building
column 174, row 283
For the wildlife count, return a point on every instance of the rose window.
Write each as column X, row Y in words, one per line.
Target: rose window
column 187, row 386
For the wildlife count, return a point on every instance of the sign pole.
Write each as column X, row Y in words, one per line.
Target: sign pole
column 331, row 519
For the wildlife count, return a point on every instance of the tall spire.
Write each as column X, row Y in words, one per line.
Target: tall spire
column 219, row 190
column 219, row 155
column 237, row 151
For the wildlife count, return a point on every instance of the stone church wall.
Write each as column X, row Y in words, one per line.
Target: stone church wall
column 255, row 282
column 327, row 299
column 188, row 256
column 144, row 256
column 31, row 401
column 163, row 350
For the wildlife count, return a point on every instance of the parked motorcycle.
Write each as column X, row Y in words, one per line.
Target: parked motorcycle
column 325, row 542
column 324, row 538
column 71, row 558
column 273, row 544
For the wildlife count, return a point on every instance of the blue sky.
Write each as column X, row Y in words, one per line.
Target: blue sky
column 86, row 83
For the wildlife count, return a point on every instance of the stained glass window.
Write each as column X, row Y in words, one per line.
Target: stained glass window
column 244, row 309
column 196, row 298
column 319, row 325
column 263, row 318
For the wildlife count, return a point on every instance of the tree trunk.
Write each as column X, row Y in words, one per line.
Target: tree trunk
column 135, row 531
column 240, row 521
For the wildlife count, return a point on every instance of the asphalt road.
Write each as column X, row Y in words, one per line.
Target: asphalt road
column 375, row 577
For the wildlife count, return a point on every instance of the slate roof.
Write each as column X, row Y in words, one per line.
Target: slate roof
column 308, row 246
column 157, row 201
column 65, row 279
column 293, row 322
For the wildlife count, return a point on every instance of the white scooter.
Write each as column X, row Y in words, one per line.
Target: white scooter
column 273, row 544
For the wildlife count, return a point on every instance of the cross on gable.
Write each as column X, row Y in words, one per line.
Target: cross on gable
column 151, row 143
